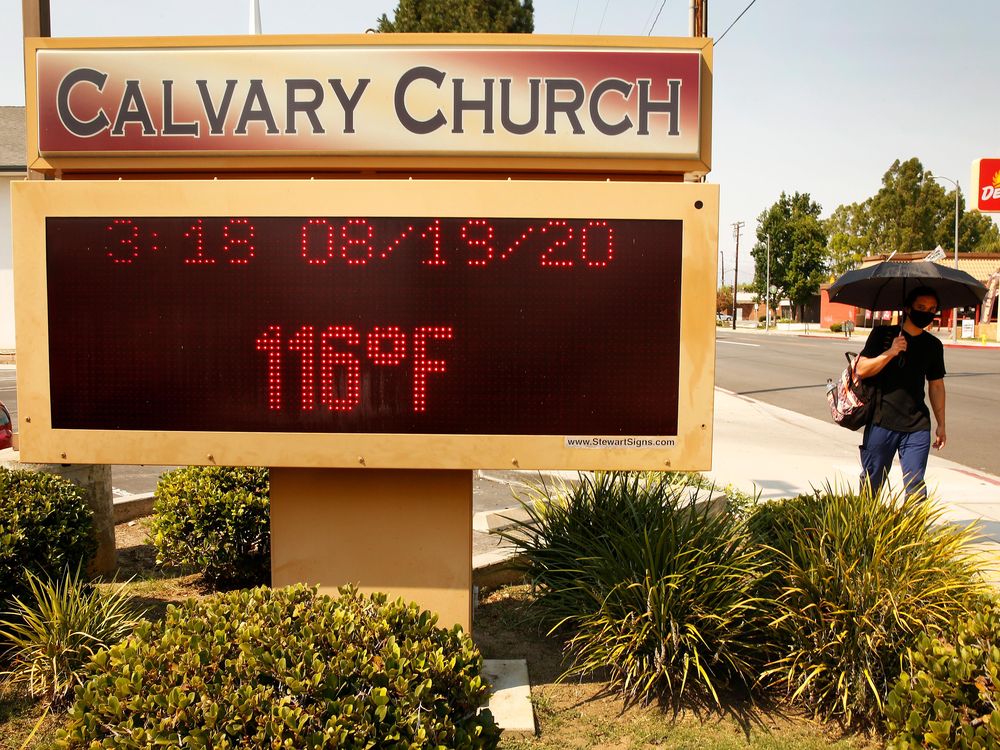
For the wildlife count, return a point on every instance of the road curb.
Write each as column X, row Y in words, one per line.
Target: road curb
column 501, row 567
column 131, row 507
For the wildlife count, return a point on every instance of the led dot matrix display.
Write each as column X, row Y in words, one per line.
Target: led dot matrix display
column 417, row 324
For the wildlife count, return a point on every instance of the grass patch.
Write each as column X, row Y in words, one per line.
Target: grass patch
column 19, row 714
column 584, row 714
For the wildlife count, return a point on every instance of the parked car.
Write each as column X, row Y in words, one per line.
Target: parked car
column 723, row 318
column 6, row 428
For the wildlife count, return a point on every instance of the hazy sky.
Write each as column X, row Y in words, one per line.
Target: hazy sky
column 812, row 96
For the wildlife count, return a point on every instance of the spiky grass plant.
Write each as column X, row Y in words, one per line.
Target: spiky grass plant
column 649, row 582
column 856, row 577
column 57, row 629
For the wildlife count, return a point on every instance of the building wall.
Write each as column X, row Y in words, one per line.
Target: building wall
column 834, row 312
column 6, row 266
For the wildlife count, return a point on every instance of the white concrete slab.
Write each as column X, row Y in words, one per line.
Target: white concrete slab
column 510, row 699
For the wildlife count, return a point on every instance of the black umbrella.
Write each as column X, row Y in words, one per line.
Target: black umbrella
column 884, row 286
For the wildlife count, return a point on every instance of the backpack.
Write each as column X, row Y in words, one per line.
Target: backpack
column 851, row 399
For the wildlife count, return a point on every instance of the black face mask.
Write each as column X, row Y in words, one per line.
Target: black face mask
column 921, row 318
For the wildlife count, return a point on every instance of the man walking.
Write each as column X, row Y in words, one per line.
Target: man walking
column 899, row 359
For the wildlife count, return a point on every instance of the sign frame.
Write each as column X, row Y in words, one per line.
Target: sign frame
column 316, row 164
column 696, row 205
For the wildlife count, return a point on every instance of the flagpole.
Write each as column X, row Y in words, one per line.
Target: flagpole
column 255, row 16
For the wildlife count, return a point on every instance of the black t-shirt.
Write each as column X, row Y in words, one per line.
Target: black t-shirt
column 900, row 405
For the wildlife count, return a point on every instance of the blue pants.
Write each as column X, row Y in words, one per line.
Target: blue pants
column 880, row 445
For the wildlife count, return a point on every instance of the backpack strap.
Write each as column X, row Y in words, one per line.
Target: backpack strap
column 887, row 338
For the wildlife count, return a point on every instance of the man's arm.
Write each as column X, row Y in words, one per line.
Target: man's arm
column 935, row 389
column 870, row 366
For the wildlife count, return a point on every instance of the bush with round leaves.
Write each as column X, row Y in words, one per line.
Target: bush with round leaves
column 286, row 668
column 45, row 528
column 215, row 519
column 949, row 695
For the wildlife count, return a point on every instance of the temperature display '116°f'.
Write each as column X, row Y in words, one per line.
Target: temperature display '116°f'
column 426, row 324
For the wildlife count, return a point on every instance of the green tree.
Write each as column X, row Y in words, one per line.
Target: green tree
column 847, row 230
column 724, row 299
column 907, row 212
column 798, row 249
column 492, row 16
column 911, row 213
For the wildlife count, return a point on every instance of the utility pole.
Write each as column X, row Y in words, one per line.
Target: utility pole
column 737, row 227
column 698, row 17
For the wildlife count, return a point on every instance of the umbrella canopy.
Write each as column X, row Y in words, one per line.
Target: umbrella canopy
column 884, row 286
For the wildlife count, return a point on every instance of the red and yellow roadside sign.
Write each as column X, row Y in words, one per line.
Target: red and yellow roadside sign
column 986, row 185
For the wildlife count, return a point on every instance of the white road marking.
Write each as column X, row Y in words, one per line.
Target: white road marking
column 735, row 343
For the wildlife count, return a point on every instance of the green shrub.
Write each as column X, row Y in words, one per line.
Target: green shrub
column 57, row 629
column 836, row 327
column 738, row 503
column 286, row 668
column 854, row 578
column 949, row 695
column 214, row 519
column 45, row 527
column 647, row 581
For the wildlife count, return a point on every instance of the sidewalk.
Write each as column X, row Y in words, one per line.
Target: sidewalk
column 760, row 447
column 780, row 453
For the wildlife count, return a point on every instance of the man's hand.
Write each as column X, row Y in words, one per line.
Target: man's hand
column 935, row 389
column 940, row 437
column 898, row 346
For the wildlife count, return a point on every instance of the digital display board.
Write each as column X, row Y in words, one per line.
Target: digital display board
column 417, row 324
column 378, row 323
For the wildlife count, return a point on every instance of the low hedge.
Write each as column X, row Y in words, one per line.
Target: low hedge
column 45, row 528
column 286, row 668
column 949, row 695
column 214, row 519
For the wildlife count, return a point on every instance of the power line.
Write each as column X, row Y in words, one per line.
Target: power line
column 658, row 17
column 601, row 25
column 734, row 22
column 650, row 14
column 572, row 26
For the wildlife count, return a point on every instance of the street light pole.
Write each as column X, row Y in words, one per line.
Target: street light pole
column 954, row 311
column 954, row 322
column 767, row 289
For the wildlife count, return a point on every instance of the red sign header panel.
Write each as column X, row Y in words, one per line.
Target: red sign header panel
column 409, row 96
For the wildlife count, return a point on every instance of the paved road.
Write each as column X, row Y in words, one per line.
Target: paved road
column 791, row 372
column 8, row 392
